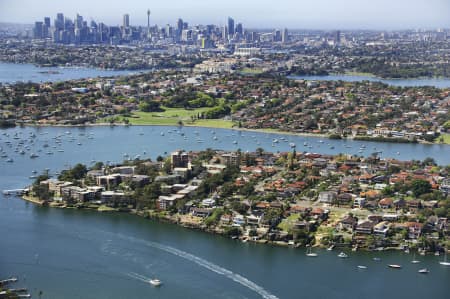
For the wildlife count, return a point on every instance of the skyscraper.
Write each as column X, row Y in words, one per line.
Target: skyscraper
column 126, row 20
column 79, row 21
column 59, row 22
column 230, row 27
column 47, row 21
column 38, row 29
column 285, row 36
column 239, row 28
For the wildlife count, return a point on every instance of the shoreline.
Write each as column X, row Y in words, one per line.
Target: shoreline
column 214, row 230
column 266, row 131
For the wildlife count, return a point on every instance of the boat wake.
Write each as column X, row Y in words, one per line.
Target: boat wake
column 138, row 277
column 203, row 263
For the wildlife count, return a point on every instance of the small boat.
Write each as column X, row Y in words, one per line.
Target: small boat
column 342, row 255
column 414, row 261
column 445, row 262
column 330, row 248
column 424, row 271
column 376, row 259
column 362, row 267
column 310, row 253
column 394, row 266
column 33, row 155
column 155, row 282
column 292, row 145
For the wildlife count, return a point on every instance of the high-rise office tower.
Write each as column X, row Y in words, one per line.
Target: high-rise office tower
column 277, row 36
column 38, row 29
column 169, row 31
column 337, row 37
column 285, row 36
column 180, row 25
column 230, row 27
column 79, row 21
column 46, row 27
column 59, row 22
column 126, row 20
column 224, row 32
column 47, row 21
column 239, row 28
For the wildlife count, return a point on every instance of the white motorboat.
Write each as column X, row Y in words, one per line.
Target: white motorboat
column 155, row 282
column 394, row 266
column 342, row 255
column 362, row 267
column 424, row 271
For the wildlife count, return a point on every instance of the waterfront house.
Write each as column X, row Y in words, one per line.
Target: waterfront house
column 381, row 229
column 414, row 229
column 255, row 219
column 365, row 227
column 348, row 223
column 201, row 212
column 208, row 203
column 238, row 220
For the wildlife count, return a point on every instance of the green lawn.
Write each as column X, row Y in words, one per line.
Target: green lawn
column 446, row 138
column 212, row 123
column 172, row 117
column 248, row 70
column 288, row 222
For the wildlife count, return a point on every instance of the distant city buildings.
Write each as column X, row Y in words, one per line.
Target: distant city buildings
column 78, row 31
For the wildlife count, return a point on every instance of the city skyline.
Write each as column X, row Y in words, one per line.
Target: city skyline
column 321, row 14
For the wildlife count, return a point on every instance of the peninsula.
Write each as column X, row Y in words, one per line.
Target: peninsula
column 290, row 198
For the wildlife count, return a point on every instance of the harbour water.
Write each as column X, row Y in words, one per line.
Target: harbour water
column 86, row 254
column 436, row 82
column 13, row 72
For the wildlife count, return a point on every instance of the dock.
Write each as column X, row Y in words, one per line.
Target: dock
column 9, row 280
column 15, row 192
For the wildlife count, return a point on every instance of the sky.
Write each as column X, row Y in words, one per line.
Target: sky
column 293, row 14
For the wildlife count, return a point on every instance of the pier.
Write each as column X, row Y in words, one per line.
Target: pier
column 15, row 191
column 9, row 280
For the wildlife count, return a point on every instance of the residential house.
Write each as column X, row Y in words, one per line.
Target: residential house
column 365, row 227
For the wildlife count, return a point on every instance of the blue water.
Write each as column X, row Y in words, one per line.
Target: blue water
column 436, row 82
column 12, row 72
column 85, row 254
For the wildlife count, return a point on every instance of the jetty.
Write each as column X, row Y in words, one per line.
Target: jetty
column 9, row 280
column 16, row 191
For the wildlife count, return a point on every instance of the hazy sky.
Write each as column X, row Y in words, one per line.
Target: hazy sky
column 308, row 14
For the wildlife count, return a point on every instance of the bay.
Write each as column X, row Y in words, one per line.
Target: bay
column 436, row 82
column 86, row 254
column 14, row 72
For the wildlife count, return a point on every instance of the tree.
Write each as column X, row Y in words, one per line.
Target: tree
column 419, row 187
column 42, row 192
column 260, row 151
